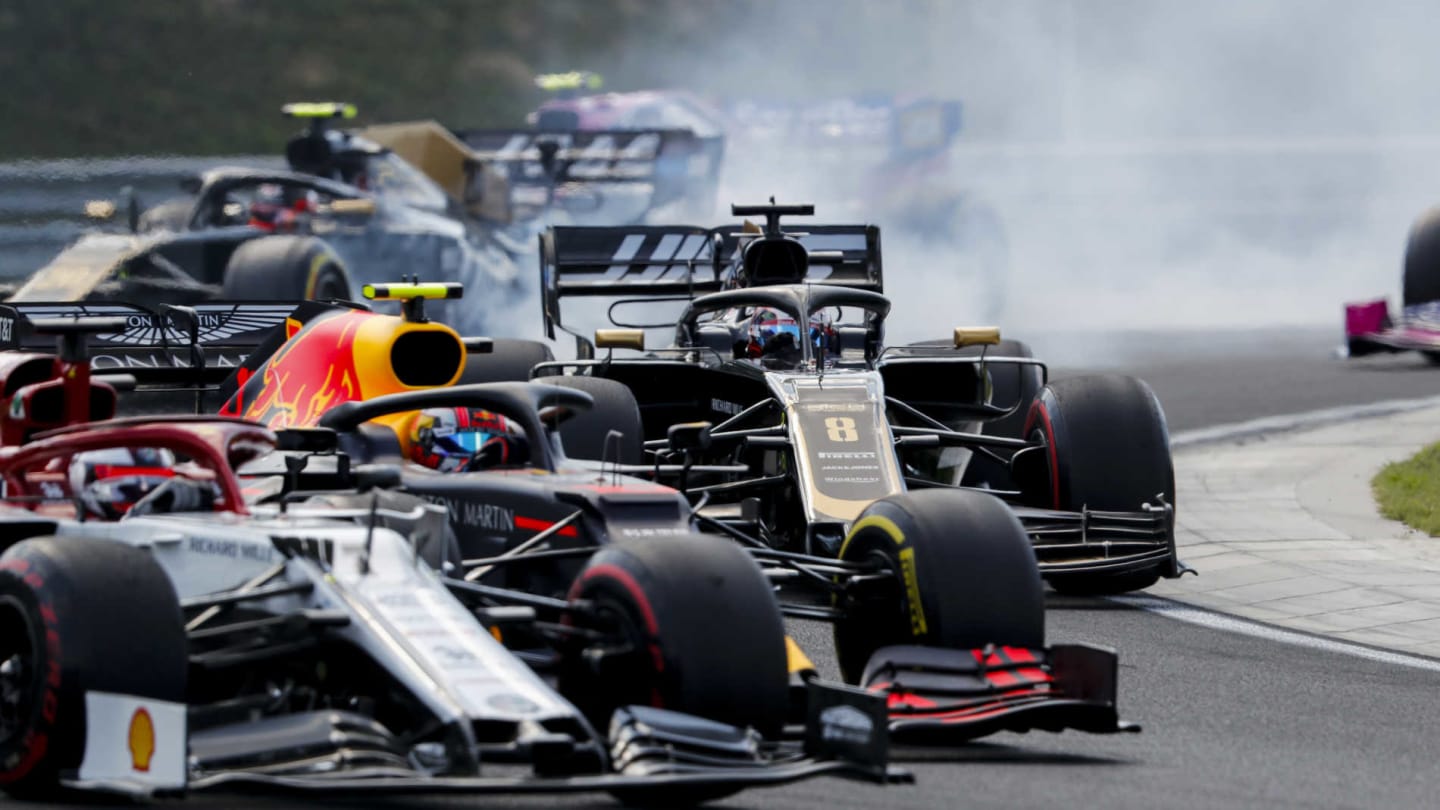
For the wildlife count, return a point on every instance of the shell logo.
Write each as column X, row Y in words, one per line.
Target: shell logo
column 142, row 740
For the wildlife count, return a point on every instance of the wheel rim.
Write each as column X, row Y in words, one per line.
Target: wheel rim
column 18, row 665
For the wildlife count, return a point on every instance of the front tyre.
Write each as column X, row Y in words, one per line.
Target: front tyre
column 964, row 577
column 686, row 623
column 285, row 267
column 1107, row 448
column 76, row 616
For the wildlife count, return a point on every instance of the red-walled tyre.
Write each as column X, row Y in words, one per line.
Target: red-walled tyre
column 1106, row 448
column 77, row 615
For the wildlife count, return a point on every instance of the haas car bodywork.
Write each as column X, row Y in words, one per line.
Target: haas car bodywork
column 1096, row 502
column 205, row 637
column 888, row 491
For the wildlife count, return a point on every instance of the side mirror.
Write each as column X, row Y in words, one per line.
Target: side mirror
column 976, row 336
column 688, row 436
column 100, row 209
column 620, row 339
column 353, row 208
column 478, row 345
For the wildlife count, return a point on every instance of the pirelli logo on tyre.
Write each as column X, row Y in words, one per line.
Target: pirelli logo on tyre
column 912, row 591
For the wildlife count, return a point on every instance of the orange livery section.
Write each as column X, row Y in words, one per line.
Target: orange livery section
column 344, row 356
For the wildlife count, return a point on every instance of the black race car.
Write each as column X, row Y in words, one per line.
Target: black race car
column 831, row 424
column 355, row 207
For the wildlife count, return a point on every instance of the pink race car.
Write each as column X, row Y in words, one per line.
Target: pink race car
column 1369, row 328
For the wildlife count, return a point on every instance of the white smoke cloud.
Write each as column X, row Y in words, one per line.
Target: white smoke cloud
column 1155, row 163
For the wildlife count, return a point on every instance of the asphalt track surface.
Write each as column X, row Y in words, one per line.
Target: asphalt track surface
column 1229, row 720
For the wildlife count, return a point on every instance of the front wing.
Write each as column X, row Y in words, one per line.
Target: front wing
column 1091, row 541
column 942, row 697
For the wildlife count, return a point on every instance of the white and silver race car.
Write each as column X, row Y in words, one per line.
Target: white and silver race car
column 170, row 637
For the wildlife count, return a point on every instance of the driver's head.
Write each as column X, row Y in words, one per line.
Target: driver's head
column 464, row 439
column 108, row 482
column 773, row 334
column 266, row 205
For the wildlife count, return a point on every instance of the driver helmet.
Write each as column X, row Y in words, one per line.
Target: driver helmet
column 266, row 206
column 463, row 439
column 773, row 333
column 108, row 482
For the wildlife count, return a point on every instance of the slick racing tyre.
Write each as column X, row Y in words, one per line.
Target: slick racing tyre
column 656, row 604
column 1107, row 448
column 1422, row 266
column 285, row 268
column 1422, row 260
column 965, row 577
column 76, row 616
column 510, row 360
column 584, row 435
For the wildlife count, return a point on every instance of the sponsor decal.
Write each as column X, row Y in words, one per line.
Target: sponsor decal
column 722, row 406
column 105, row 362
column 912, row 591
column 845, row 724
column 833, row 407
column 865, row 454
column 475, row 515
column 652, row 531
column 141, row 740
column 137, row 743
column 234, row 549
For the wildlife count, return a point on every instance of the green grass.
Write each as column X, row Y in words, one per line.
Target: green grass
column 1409, row 491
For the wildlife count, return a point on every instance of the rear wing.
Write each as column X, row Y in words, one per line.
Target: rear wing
column 160, row 345
column 675, row 163
column 685, row 261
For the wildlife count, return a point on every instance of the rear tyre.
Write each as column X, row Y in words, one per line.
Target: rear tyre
column 584, row 435
column 1422, row 260
column 656, row 602
column 965, row 577
column 1107, row 448
column 77, row 615
column 510, row 360
column 285, row 268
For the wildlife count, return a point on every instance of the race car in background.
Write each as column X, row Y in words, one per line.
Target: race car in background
column 883, row 159
column 1369, row 327
column 687, row 171
column 353, row 207
column 287, row 645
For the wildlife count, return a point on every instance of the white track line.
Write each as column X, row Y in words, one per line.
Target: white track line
column 1298, row 421
column 1269, row 632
